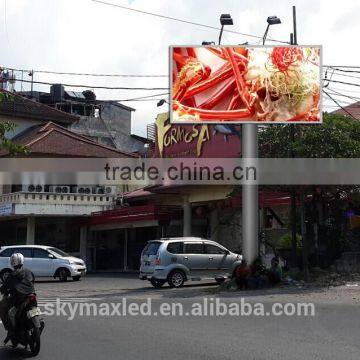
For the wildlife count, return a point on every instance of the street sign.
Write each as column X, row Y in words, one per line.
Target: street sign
column 6, row 209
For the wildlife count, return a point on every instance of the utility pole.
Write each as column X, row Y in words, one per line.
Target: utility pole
column 304, row 237
column 32, row 83
column 221, row 32
column 294, row 25
column 250, row 197
column 293, row 192
column 302, row 195
column 22, row 78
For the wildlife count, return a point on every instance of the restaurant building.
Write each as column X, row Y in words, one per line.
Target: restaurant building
column 209, row 211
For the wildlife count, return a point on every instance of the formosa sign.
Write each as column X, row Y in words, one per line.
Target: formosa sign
column 195, row 140
column 227, row 84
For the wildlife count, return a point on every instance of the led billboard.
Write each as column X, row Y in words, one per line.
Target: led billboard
column 252, row 84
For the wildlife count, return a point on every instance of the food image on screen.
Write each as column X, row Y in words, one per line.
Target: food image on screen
column 246, row 84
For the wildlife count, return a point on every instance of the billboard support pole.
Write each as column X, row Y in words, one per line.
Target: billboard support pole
column 250, row 197
column 294, row 261
column 305, row 249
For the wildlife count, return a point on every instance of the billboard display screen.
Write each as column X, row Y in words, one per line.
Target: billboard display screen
column 252, row 84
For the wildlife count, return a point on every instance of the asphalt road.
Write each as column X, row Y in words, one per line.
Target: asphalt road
column 333, row 333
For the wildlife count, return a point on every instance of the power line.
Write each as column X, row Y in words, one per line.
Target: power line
column 89, row 74
column 343, row 70
column 185, row 21
column 343, row 66
column 143, row 97
column 344, row 95
column 130, row 100
column 335, row 101
column 346, row 75
column 341, row 82
column 96, row 87
column 347, row 90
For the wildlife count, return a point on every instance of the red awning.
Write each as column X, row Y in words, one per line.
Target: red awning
column 136, row 213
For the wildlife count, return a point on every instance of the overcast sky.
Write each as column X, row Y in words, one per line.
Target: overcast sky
column 84, row 36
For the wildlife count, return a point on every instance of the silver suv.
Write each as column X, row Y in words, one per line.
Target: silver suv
column 176, row 260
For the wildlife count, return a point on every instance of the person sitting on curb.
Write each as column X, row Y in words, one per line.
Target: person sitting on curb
column 275, row 272
column 258, row 277
column 241, row 274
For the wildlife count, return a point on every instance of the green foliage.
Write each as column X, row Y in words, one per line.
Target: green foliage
column 4, row 96
column 285, row 242
column 6, row 144
column 337, row 137
column 6, row 127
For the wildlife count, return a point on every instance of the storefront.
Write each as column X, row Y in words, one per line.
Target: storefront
column 117, row 237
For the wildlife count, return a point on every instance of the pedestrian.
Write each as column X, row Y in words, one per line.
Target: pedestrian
column 241, row 274
column 275, row 272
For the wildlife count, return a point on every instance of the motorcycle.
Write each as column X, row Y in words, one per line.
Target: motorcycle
column 27, row 325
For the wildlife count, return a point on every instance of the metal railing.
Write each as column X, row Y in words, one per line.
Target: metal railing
column 58, row 198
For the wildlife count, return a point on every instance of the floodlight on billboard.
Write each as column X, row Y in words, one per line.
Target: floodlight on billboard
column 252, row 84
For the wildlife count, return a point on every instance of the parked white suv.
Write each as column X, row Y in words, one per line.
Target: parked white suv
column 43, row 261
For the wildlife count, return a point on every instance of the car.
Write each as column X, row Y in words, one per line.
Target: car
column 177, row 260
column 43, row 261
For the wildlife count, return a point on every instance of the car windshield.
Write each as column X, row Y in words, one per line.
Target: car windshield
column 152, row 248
column 59, row 252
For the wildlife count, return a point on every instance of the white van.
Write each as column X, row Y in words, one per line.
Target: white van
column 43, row 261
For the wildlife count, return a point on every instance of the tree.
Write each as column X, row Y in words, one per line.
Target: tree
column 6, row 127
column 337, row 137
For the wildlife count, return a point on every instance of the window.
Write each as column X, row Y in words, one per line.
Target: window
column 194, row 248
column 151, row 248
column 7, row 252
column 25, row 251
column 41, row 254
column 175, row 247
column 213, row 249
column 59, row 252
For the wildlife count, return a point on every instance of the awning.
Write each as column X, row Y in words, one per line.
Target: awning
column 133, row 214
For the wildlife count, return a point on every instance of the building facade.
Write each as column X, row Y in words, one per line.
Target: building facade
column 36, row 212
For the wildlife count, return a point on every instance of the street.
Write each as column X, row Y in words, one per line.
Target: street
column 332, row 333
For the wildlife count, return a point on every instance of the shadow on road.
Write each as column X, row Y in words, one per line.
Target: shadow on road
column 188, row 290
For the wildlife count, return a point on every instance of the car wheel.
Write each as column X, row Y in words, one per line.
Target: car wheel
column 176, row 279
column 34, row 341
column 63, row 275
column 220, row 279
column 4, row 274
column 76, row 278
column 157, row 284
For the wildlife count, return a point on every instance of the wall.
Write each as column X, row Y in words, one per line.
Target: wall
column 113, row 128
column 60, row 232
column 21, row 124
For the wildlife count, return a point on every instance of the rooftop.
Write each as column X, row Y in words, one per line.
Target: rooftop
column 353, row 109
column 15, row 105
column 56, row 141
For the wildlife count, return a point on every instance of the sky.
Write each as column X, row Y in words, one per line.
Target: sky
column 88, row 37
